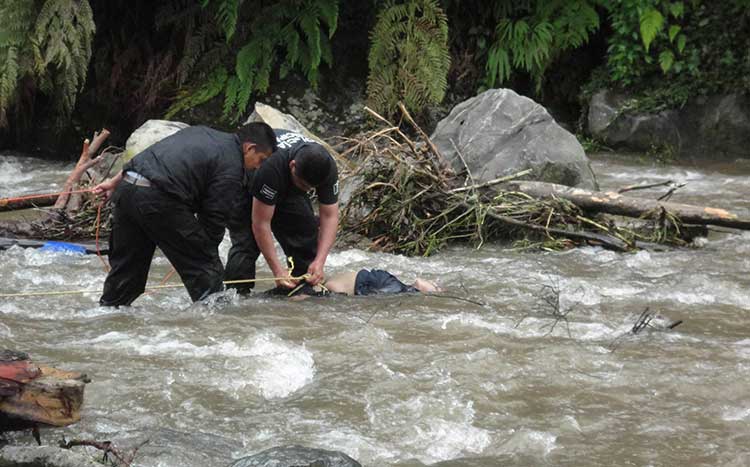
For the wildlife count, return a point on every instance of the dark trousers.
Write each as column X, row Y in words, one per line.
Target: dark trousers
column 295, row 227
column 144, row 218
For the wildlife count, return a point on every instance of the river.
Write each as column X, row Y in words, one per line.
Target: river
column 417, row 380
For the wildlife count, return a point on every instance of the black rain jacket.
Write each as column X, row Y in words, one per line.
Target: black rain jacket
column 200, row 167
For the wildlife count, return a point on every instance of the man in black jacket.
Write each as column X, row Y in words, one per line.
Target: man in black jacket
column 277, row 204
column 176, row 195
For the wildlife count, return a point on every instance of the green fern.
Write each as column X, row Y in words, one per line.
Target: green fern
column 14, row 45
column 293, row 27
column 51, row 46
column 63, row 35
column 652, row 22
column 192, row 97
column 409, row 56
column 530, row 35
column 227, row 13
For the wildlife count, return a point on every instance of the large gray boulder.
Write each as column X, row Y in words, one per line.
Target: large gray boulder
column 716, row 127
column 283, row 121
column 500, row 133
column 297, row 456
column 44, row 456
column 149, row 133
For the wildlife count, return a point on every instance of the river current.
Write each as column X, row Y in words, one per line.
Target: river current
column 484, row 376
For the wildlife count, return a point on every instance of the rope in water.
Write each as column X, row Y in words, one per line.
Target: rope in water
column 162, row 285
column 46, row 195
column 154, row 287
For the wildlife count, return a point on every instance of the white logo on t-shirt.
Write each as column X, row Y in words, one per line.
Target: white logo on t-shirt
column 268, row 192
column 287, row 140
column 336, row 188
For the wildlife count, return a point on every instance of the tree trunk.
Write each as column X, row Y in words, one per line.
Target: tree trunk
column 614, row 203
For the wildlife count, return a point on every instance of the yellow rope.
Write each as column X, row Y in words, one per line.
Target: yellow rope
column 155, row 287
column 323, row 288
column 290, row 260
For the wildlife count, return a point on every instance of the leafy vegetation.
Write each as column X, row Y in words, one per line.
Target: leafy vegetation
column 45, row 48
column 669, row 51
column 529, row 36
column 168, row 57
column 409, row 56
column 293, row 27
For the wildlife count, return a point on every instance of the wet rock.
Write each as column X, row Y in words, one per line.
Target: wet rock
column 280, row 120
column 296, row 456
column 638, row 132
column 715, row 127
column 334, row 109
column 44, row 456
column 149, row 133
column 501, row 133
column 158, row 447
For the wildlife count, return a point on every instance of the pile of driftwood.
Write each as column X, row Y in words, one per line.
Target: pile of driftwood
column 74, row 211
column 408, row 201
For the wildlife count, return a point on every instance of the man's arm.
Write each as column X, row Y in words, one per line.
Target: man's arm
column 329, row 222
column 262, row 215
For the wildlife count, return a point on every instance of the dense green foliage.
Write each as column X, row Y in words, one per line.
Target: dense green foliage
column 669, row 51
column 530, row 35
column 293, row 27
column 45, row 46
column 153, row 58
column 409, row 56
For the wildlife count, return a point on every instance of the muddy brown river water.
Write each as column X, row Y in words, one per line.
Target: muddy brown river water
column 417, row 380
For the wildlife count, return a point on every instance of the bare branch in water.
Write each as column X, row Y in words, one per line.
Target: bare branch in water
column 119, row 459
column 550, row 306
column 647, row 319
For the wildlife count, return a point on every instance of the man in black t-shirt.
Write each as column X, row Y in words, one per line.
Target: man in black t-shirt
column 174, row 195
column 279, row 205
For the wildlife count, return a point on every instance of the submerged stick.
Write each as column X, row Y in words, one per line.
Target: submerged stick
column 495, row 181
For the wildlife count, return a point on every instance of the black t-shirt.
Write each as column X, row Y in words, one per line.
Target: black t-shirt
column 272, row 182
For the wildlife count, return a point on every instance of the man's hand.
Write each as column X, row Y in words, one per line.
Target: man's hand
column 287, row 282
column 107, row 187
column 315, row 270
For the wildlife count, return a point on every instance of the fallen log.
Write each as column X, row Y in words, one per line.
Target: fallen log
column 27, row 202
column 617, row 204
column 33, row 395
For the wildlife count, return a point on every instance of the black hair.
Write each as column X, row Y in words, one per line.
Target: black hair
column 313, row 163
column 258, row 133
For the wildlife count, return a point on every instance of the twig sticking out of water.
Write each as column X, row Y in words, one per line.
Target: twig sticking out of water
column 550, row 306
column 119, row 459
column 647, row 319
column 673, row 186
